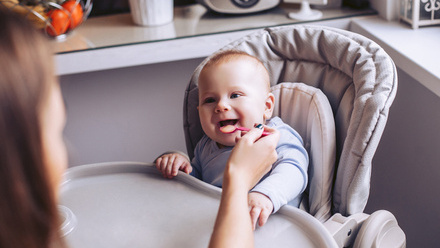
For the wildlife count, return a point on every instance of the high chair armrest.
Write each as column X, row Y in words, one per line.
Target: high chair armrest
column 344, row 229
column 380, row 230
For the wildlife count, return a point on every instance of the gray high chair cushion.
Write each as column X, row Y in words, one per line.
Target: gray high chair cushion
column 358, row 78
column 307, row 110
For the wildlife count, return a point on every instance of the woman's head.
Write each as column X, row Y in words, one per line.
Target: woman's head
column 234, row 89
column 29, row 100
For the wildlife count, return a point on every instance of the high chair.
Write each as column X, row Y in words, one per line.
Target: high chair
column 339, row 104
column 340, row 108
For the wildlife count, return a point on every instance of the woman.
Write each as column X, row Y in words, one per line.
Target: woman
column 33, row 155
column 32, row 152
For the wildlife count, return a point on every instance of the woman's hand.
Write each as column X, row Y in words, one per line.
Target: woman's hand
column 252, row 157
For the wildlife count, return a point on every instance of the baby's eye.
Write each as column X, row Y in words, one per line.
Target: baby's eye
column 209, row 100
column 235, row 95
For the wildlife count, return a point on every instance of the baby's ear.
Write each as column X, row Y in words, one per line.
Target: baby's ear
column 270, row 104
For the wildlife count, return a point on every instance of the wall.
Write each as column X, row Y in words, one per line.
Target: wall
column 388, row 9
column 406, row 171
column 129, row 114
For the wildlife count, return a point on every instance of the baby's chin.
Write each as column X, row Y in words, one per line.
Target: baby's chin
column 225, row 144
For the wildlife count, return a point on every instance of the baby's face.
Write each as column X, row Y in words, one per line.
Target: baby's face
column 233, row 93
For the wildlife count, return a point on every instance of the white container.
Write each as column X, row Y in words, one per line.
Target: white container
column 152, row 12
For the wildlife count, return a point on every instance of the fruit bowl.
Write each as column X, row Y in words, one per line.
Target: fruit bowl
column 56, row 18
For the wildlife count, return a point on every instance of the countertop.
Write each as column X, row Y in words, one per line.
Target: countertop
column 114, row 41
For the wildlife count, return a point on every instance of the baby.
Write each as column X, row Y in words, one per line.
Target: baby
column 234, row 89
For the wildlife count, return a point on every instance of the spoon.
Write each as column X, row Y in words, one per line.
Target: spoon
column 232, row 128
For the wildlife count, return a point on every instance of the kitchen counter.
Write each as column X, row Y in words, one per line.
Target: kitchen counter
column 114, row 41
column 414, row 51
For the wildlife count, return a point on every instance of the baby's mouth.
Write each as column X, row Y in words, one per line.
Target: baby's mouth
column 228, row 122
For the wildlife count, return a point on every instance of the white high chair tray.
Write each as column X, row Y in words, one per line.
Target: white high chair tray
column 131, row 205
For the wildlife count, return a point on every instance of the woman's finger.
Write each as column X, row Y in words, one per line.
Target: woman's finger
column 274, row 134
column 252, row 135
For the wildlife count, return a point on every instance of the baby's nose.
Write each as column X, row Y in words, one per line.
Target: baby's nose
column 222, row 106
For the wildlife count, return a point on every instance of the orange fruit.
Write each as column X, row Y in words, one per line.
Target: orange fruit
column 60, row 22
column 76, row 12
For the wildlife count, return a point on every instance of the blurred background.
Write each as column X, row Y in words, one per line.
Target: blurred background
column 106, row 7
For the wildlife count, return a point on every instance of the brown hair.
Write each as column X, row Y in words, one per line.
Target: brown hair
column 28, row 211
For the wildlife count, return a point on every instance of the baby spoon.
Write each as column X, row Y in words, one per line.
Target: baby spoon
column 232, row 128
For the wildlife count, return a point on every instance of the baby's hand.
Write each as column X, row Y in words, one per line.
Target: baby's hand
column 170, row 164
column 260, row 207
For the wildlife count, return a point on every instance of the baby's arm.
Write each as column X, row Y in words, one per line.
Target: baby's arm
column 284, row 183
column 170, row 163
column 287, row 180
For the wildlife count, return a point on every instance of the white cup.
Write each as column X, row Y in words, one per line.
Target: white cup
column 152, row 12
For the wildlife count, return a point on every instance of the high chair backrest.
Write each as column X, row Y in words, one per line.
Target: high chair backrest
column 307, row 110
column 355, row 74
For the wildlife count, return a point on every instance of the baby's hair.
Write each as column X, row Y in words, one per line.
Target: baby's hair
column 229, row 55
